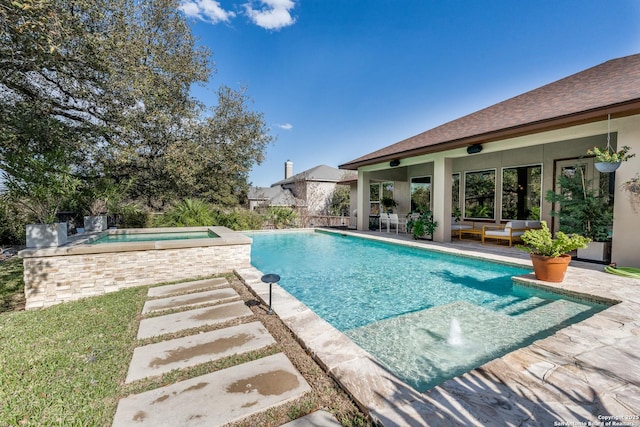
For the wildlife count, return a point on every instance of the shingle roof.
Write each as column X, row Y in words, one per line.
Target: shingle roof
column 321, row 173
column 611, row 87
column 277, row 196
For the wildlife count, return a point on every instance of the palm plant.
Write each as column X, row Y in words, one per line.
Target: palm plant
column 188, row 213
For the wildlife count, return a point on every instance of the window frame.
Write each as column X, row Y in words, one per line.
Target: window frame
column 465, row 191
column 430, row 184
column 502, row 170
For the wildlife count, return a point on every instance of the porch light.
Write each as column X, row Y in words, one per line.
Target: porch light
column 473, row 149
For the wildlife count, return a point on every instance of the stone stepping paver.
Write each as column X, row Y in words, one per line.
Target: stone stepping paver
column 198, row 298
column 205, row 316
column 315, row 419
column 217, row 398
column 165, row 290
column 162, row 357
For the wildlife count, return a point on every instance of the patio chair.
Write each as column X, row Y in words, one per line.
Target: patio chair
column 394, row 220
column 391, row 221
column 384, row 221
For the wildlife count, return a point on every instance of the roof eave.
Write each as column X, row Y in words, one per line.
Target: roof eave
column 623, row 109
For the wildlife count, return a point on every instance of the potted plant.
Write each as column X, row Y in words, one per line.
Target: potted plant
column 456, row 214
column 423, row 225
column 42, row 198
column 550, row 256
column 608, row 160
column 97, row 218
column 388, row 203
column 585, row 210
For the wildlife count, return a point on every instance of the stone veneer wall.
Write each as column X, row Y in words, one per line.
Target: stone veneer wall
column 51, row 280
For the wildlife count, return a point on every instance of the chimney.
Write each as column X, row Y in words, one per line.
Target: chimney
column 288, row 169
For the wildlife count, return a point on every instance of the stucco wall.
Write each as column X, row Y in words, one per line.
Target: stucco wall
column 626, row 214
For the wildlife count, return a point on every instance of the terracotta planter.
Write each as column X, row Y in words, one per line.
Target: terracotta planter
column 550, row 269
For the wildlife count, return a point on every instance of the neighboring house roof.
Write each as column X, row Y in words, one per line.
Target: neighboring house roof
column 276, row 196
column 321, row 173
column 612, row 87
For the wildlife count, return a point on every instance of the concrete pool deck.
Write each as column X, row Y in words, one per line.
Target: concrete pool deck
column 587, row 372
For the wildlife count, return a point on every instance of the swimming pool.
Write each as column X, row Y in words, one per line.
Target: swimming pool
column 404, row 304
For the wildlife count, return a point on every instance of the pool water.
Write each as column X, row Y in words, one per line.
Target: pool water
column 123, row 237
column 401, row 303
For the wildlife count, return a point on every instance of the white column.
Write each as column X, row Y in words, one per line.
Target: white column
column 363, row 201
column 442, row 198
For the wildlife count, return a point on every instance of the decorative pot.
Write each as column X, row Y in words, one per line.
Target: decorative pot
column 596, row 251
column 550, row 269
column 46, row 235
column 95, row 223
column 607, row 167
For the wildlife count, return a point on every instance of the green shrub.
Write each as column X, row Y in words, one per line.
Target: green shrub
column 239, row 219
column 188, row 213
column 132, row 215
column 12, row 224
column 282, row 217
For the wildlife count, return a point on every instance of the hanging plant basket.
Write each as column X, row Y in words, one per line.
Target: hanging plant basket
column 607, row 167
column 607, row 159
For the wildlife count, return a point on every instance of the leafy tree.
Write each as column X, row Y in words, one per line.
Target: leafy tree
column 100, row 90
column 215, row 157
column 339, row 201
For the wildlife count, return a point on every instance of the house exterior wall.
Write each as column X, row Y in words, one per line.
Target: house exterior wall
column 626, row 215
column 316, row 194
column 543, row 148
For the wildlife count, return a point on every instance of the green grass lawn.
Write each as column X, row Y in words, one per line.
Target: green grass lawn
column 64, row 365
column 11, row 285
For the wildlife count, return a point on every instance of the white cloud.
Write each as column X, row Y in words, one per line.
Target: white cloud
column 206, row 10
column 285, row 126
column 275, row 14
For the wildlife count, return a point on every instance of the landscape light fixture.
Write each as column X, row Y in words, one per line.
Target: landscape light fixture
column 270, row 279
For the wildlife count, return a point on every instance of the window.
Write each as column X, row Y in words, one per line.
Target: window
column 479, row 194
column 421, row 194
column 455, row 195
column 374, row 199
column 521, row 192
column 378, row 192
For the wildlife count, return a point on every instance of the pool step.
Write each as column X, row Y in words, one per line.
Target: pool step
column 517, row 308
column 554, row 313
column 419, row 346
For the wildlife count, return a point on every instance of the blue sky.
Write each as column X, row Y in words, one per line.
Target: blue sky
column 337, row 79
